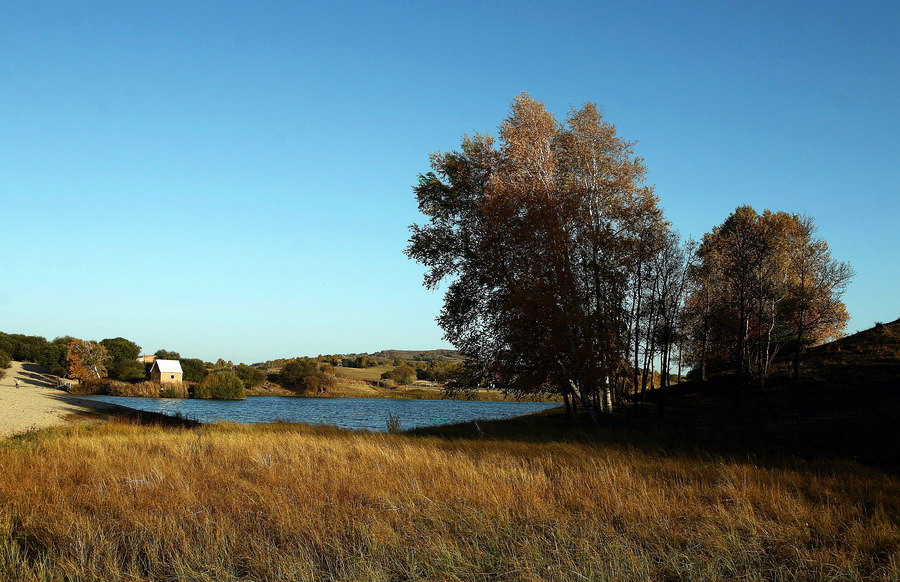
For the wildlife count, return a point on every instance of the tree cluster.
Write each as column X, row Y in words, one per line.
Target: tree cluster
column 564, row 276
column 763, row 284
column 307, row 375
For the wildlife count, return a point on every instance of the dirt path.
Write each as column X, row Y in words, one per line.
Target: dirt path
column 37, row 403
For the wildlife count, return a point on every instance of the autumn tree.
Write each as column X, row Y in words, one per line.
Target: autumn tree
column 87, row 360
column 763, row 283
column 817, row 283
column 537, row 233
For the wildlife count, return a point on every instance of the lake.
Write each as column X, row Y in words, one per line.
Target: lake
column 350, row 413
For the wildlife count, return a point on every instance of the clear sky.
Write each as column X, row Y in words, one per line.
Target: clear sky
column 234, row 179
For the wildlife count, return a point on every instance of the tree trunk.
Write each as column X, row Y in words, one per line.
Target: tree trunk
column 586, row 402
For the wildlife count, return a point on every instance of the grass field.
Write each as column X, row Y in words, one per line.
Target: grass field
column 120, row 501
column 372, row 374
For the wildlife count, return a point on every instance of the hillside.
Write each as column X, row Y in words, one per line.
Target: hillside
column 383, row 356
column 420, row 355
column 846, row 405
column 870, row 357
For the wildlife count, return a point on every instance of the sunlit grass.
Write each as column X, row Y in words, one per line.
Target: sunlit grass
column 289, row 502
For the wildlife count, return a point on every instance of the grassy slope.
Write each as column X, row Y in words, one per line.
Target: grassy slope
column 372, row 374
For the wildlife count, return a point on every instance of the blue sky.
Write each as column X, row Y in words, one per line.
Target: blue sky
column 234, row 179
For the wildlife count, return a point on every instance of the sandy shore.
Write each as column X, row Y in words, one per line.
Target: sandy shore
column 37, row 403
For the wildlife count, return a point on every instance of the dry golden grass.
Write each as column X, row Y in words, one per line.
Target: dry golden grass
column 285, row 502
column 372, row 374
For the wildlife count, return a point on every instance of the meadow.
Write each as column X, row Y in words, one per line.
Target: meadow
column 123, row 501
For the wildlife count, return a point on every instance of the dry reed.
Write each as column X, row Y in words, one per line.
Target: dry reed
column 285, row 502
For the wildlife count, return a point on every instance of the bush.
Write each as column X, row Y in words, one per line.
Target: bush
column 294, row 373
column 221, row 385
column 401, row 374
column 250, row 376
column 4, row 360
column 194, row 369
column 318, row 383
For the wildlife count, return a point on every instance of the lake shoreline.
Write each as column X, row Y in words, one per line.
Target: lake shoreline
column 371, row 414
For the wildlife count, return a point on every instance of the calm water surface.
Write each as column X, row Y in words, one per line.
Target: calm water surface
column 351, row 413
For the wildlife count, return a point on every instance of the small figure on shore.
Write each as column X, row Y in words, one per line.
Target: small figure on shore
column 17, row 382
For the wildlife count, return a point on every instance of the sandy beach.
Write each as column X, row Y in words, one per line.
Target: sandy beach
column 37, row 403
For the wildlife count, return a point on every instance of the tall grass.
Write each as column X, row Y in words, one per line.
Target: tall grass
column 288, row 502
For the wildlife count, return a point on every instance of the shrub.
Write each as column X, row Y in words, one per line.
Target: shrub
column 250, row 376
column 194, row 369
column 4, row 360
column 401, row 374
column 318, row 383
column 294, row 373
column 221, row 385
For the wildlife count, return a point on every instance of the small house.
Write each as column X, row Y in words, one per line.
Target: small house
column 166, row 372
column 146, row 359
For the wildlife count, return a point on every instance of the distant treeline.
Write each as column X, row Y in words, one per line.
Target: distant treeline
column 380, row 358
column 112, row 358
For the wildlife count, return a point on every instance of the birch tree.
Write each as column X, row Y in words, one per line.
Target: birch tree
column 87, row 360
column 536, row 234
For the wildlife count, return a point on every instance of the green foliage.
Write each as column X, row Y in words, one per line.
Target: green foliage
column 223, row 365
column 167, row 355
column 127, row 370
column 23, row 348
column 194, row 369
column 121, row 349
column 4, row 360
column 250, row 376
column 437, row 371
column 221, row 385
column 294, row 373
column 123, row 364
column 318, row 383
column 403, row 374
column 55, row 356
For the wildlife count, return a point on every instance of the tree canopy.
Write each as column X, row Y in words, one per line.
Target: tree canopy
column 537, row 233
column 763, row 283
column 87, row 360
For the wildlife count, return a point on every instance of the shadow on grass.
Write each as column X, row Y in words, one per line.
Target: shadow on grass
column 95, row 410
column 773, row 428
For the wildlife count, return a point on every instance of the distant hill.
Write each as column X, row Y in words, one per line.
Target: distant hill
column 381, row 357
column 421, row 355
